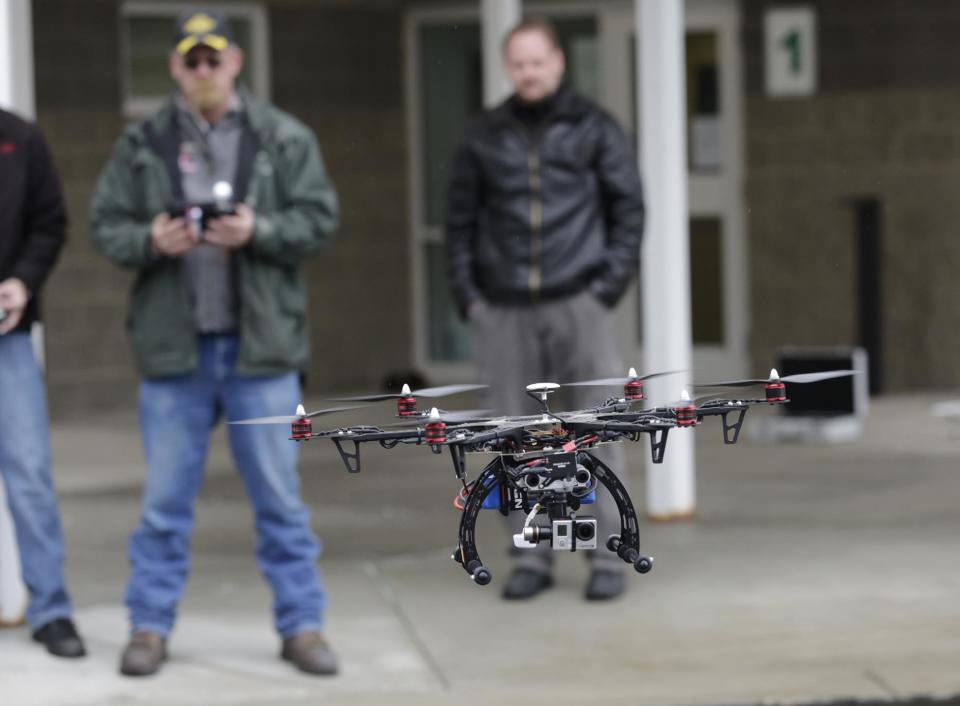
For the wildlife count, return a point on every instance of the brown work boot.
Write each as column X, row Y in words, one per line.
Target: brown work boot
column 143, row 654
column 310, row 653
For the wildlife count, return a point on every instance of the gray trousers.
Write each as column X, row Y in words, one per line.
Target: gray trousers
column 558, row 341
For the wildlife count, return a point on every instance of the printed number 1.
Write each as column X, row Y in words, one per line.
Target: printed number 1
column 791, row 42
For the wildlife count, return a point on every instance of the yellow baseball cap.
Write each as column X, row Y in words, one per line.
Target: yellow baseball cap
column 202, row 27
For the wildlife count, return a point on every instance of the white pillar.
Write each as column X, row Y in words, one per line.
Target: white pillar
column 16, row 57
column 497, row 17
column 16, row 94
column 665, row 274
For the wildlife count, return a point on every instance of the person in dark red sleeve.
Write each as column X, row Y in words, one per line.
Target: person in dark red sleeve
column 32, row 232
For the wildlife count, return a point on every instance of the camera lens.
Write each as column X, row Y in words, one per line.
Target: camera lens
column 582, row 476
column 533, row 480
column 585, row 531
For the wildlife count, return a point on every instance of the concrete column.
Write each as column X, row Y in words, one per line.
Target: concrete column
column 16, row 57
column 16, row 94
column 497, row 17
column 665, row 274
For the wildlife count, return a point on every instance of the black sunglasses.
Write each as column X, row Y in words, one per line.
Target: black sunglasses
column 192, row 62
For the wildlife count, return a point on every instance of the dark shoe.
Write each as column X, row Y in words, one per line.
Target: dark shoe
column 61, row 638
column 143, row 655
column 310, row 653
column 525, row 583
column 604, row 585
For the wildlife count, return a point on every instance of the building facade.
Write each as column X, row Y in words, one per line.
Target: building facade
column 820, row 219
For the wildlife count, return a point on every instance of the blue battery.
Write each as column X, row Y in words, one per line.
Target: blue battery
column 492, row 501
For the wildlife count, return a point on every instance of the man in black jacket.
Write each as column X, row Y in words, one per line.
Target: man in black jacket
column 32, row 231
column 544, row 221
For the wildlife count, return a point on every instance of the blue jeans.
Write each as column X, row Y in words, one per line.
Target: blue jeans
column 25, row 465
column 177, row 416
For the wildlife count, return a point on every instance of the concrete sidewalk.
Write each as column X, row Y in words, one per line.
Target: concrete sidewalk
column 810, row 573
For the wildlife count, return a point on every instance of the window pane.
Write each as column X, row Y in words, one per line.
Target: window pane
column 706, row 279
column 452, row 91
column 703, row 101
column 578, row 37
column 150, row 40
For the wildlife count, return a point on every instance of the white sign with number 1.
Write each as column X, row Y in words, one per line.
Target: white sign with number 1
column 790, row 36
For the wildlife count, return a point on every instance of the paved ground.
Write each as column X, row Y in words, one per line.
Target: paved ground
column 810, row 573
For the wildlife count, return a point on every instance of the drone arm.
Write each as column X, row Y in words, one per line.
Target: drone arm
column 387, row 439
column 725, row 410
column 476, row 442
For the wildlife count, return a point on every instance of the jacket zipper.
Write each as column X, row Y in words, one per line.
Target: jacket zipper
column 536, row 219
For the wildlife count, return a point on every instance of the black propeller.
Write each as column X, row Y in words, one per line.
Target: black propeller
column 775, row 378
column 631, row 377
column 442, row 391
column 289, row 419
column 452, row 417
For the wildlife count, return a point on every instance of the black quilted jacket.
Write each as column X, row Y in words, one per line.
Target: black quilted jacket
column 537, row 211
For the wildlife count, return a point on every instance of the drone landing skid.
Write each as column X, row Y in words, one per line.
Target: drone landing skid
column 350, row 459
column 658, row 444
column 731, row 430
column 626, row 545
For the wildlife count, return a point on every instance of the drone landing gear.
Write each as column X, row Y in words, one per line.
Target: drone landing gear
column 641, row 563
column 625, row 545
column 478, row 572
column 466, row 552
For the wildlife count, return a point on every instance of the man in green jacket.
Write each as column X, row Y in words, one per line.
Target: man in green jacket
column 214, row 201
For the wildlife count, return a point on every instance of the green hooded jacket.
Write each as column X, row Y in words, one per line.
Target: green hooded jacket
column 296, row 210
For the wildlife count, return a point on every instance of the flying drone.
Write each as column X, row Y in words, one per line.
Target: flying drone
column 543, row 464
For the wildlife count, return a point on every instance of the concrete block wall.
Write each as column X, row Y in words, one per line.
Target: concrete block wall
column 335, row 66
column 76, row 48
column 339, row 67
column 885, row 123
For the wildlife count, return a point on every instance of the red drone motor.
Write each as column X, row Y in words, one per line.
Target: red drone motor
column 407, row 403
column 633, row 390
column 776, row 390
column 435, row 429
column 686, row 411
column 301, row 428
